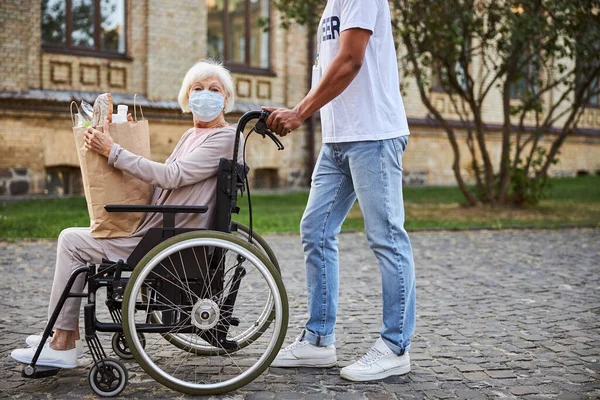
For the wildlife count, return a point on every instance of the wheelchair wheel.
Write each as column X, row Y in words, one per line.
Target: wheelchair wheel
column 244, row 233
column 193, row 344
column 108, row 378
column 212, row 295
column 120, row 346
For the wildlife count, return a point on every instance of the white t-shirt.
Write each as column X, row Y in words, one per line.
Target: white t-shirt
column 371, row 107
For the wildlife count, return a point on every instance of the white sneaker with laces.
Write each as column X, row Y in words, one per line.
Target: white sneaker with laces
column 303, row 354
column 34, row 341
column 48, row 357
column 379, row 362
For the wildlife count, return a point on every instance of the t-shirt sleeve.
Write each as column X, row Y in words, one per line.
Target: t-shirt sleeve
column 359, row 14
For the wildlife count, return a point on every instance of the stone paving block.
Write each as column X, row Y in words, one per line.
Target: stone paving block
column 468, row 367
column 261, row 396
column 470, row 394
column 424, row 386
column 523, row 390
column 439, row 394
column 350, row 396
column 380, row 396
column 569, row 396
column 501, row 373
column 475, row 376
column 450, row 377
column 290, row 396
column 443, row 369
column 317, row 396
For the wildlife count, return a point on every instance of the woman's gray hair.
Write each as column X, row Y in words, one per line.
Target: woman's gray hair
column 200, row 71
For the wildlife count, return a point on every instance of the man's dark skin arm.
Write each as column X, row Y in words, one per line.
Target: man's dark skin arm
column 340, row 73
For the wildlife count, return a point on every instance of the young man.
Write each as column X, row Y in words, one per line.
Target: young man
column 365, row 133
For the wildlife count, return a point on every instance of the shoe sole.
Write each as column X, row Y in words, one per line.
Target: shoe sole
column 357, row 377
column 56, row 364
column 314, row 363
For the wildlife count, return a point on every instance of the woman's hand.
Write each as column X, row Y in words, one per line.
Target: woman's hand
column 100, row 142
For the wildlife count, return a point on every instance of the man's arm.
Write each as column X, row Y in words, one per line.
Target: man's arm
column 340, row 73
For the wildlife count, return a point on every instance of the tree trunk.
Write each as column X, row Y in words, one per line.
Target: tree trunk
column 505, row 158
column 449, row 131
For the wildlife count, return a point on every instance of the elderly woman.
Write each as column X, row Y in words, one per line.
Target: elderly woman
column 187, row 177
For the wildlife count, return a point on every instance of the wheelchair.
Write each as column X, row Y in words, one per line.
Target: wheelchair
column 203, row 312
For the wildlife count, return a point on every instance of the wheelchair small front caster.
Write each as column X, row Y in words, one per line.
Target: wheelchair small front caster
column 108, row 377
column 121, row 347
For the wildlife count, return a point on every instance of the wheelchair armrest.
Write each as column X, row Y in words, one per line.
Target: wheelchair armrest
column 168, row 212
column 160, row 209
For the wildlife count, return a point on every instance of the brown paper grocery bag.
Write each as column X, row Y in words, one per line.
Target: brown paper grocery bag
column 104, row 184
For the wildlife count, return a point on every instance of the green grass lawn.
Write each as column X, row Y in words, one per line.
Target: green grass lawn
column 570, row 202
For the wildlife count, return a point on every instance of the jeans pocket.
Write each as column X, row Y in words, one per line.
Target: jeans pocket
column 400, row 144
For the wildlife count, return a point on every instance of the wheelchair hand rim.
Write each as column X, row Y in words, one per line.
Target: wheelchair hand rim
column 207, row 241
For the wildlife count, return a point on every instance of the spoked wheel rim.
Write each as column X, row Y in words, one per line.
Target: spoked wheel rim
column 192, row 343
column 196, row 345
column 217, row 368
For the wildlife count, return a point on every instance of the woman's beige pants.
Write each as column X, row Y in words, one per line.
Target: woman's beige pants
column 77, row 247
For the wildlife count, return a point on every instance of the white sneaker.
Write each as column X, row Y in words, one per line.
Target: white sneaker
column 48, row 357
column 34, row 341
column 304, row 354
column 379, row 362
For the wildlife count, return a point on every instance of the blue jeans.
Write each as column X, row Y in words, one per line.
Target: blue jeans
column 372, row 172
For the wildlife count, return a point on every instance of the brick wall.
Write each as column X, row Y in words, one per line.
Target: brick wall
column 16, row 26
column 175, row 32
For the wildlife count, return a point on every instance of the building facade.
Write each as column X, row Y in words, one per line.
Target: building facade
column 53, row 52
column 136, row 47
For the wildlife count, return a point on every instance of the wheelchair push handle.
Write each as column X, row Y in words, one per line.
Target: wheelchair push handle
column 260, row 127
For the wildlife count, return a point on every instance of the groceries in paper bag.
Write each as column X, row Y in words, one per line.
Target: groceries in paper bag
column 102, row 183
column 101, row 111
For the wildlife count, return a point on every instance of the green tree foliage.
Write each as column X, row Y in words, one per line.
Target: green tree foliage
column 302, row 12
column 540, row 56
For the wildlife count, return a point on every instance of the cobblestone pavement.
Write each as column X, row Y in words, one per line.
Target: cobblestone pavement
column 501, row 314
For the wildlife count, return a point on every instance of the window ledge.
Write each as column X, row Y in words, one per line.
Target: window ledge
column 86, row 53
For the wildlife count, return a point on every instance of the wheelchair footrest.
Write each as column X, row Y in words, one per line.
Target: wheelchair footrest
column 38, row 371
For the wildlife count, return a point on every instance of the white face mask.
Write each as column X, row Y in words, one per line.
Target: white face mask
column 206, row 105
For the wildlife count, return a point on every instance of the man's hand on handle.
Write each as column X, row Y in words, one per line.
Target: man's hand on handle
column 282, row 120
